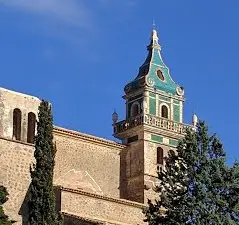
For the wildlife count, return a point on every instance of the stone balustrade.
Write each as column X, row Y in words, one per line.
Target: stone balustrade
column 146, row 119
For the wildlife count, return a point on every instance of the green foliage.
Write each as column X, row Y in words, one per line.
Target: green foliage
column 42, row 208
column 3, row 198
column 197, row 187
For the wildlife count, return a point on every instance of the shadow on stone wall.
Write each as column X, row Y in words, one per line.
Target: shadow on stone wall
column 57, row 190
column 73, row 220
column 24, row 207
column 123, row 178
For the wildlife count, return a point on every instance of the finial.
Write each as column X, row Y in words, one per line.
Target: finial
column 154, row 37
column 194, row 120
column 154, row 34
column 115, row 117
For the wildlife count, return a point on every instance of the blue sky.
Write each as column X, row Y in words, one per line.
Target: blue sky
column 79, row 54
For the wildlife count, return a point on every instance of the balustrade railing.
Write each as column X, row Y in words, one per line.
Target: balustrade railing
column 152, row 121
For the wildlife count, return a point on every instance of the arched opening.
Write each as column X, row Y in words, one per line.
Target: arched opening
column 164, row 111
column 17, row 124
column 135, row 110
column 159, row 156
column 31, row 126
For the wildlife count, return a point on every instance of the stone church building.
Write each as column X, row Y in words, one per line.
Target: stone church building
column 102, row 182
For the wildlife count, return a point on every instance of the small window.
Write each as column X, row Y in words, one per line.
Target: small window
column 17, row 124
column 159, row 156
column 164, row 111
column 135, row 110
column 31, row 127
column 160, row 75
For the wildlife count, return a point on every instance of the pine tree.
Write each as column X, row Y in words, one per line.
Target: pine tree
column 196, row 186
column 4, row 220
column 42, row 209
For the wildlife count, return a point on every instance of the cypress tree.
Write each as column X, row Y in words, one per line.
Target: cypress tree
column 41, row 204
column 196, row 187
column 4, row 220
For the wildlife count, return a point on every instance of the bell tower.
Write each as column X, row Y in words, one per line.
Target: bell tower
column 153, row 124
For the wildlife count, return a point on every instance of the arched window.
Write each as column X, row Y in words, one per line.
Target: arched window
column 164, row 111
column 31, row 126
column 17, row 124
column 134, row 110
column 160, row 156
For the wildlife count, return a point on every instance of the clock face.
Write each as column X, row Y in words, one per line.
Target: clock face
column 180, row 91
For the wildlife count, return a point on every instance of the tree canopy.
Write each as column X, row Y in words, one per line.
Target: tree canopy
column 42, row 206
column 4, row 220
column 196, row 186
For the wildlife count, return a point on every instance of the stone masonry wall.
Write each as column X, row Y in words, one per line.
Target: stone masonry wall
column 104, row 210
column 150, row 166
column 15, row 161
column 9, row 100
column 83, row 162
column 80, row 164
column 135, row 171
column 87, row 165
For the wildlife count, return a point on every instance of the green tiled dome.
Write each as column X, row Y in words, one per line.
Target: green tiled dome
column 154, row 73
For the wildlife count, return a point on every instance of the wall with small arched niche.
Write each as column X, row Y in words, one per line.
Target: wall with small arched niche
column 18, row 115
